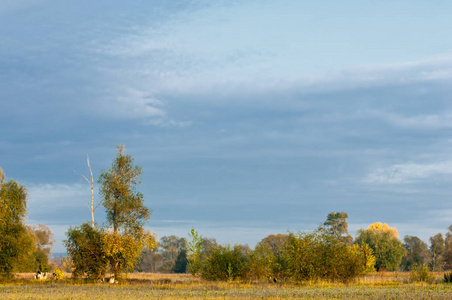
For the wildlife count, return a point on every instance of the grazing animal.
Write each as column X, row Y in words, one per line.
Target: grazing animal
column 40, row 275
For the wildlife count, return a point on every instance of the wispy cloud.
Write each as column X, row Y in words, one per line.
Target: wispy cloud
column 409, row 172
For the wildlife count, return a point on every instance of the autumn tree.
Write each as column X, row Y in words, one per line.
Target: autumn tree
column 15, row 242
column 383, row 240
column 126, row 213
column 38, row 258
column 437, row 249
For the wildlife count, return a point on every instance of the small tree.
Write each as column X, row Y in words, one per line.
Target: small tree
column 195, row 248
column 126, row 213
column 86, row 251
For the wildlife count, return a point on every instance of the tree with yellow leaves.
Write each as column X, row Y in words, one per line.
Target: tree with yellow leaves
column 383, row 240
column 126, row 214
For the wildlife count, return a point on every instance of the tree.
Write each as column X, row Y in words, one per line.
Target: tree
column 387, row 248
column 336, row 225
column 170, row 249
column 91, row 184
column 86, row 250
column 15, row 243
column 437, row 249
column 448, row 250
column 38, row 258
column 126, row 213
column 195, row 247
column 417, row 253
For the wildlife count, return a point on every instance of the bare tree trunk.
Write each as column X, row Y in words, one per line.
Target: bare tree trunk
column 91, row 183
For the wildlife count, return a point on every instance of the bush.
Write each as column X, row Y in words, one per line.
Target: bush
column 85, row 248
column 58, row 274
column 226, row 263
column 318, row 255
column 421, row 274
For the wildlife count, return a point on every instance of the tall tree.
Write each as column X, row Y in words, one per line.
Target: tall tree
column 437, row 250
column 15, row 242
column 126, row 213
column 417, row 253
column 448, row 250
column 336, row 224
column 387, row 248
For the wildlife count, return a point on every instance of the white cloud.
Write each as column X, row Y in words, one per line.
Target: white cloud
column 44, row 197
column 409, row 172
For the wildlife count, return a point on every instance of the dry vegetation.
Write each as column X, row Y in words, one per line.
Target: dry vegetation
column 389, row 285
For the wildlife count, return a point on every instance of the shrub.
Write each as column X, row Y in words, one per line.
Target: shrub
column 58, row 274
column 85, row 248
column 421, row 274
column 226, row 263
column 317, row 255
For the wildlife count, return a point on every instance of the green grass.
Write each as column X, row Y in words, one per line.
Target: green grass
column 153, row 287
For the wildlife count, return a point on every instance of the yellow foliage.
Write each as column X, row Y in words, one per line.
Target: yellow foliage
column 378, row 226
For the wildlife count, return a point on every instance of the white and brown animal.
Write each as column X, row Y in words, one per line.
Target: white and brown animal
column 40, row 275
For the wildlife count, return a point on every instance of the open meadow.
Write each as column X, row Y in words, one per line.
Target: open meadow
column 163, row 286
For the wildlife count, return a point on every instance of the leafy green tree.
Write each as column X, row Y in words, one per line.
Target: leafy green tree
column 437, row 249
column 336, row 225
column 195, row 248
column 417, row 253
column 15, row 243
column 181, row 263
column 387, row 248
column 86, row 251
column 126, row 213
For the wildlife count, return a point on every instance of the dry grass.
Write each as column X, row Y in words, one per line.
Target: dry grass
column 390, row 285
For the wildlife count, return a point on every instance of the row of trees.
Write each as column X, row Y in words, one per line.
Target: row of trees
column 122, row 244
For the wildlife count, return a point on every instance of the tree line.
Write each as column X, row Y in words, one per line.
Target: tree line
column 122, row 244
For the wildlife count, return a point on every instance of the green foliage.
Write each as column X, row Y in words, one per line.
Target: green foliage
column 437, row 250
column 317, row 255
column 387, row 249
column 226, row 263
column 86, row 250
column 181, row 263
column 336, row 225
column 195, row 248
column 15, row 243
column 421, row 274
column 417, row 253
column 123, row 203
column 126, row 213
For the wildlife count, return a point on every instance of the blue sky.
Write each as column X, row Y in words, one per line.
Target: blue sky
column 248, row 117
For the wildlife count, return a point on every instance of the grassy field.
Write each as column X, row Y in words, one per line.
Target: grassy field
column 159, row 286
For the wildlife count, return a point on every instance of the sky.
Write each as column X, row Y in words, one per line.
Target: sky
column 248, row 117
